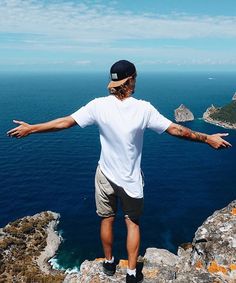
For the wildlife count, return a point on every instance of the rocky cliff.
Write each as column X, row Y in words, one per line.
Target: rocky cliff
column 26, row 245
column 183, row 114
column 210, row 258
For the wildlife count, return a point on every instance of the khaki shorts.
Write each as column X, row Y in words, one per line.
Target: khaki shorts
column 107, row 195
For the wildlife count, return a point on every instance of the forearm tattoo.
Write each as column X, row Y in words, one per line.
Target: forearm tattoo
column 187, row 133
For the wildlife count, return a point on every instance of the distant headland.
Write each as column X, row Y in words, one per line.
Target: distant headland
column 222, row 116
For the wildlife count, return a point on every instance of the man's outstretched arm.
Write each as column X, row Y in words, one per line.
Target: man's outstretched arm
column 25, row 129
column 216, row 141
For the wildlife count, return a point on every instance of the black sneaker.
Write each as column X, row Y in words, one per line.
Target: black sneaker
column 109, row 268
column 134, row 279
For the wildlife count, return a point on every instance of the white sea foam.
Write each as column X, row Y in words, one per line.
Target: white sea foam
column 72, row 270
column 55, row 265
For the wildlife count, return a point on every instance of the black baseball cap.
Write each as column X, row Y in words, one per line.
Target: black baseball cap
column 120, row 72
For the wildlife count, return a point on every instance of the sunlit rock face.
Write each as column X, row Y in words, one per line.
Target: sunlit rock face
column 183, row 114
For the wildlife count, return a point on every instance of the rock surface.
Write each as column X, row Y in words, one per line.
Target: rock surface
column 53, row 241
column 183, row 114
column 26, row 245
column 214, row 244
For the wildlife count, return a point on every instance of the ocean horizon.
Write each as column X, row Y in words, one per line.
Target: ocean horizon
column 185, row 182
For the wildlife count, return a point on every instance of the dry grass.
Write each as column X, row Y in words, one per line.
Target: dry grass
column 22, row 243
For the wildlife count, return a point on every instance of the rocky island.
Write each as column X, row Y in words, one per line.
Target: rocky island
column 222, row 116
column 27, row 244
column 183, row 114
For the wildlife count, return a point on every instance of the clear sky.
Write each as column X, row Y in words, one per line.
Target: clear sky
column 91, row 35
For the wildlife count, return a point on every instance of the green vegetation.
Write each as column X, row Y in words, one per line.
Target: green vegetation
column 20, row 244
column 226, row 114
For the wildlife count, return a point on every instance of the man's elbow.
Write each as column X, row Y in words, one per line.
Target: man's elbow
column 67, row 122
column 172, row 129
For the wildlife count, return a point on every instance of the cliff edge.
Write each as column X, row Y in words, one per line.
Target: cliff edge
column 27, row 244
column 210, row 258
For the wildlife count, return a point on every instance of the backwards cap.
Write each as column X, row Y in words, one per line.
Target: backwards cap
column 120, row 72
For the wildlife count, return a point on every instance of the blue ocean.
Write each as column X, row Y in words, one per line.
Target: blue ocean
column 185, row 182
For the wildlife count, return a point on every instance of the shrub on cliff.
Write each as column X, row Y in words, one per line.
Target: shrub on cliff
column 226, row 114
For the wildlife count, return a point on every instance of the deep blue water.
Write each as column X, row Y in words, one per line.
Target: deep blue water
column 185, row 182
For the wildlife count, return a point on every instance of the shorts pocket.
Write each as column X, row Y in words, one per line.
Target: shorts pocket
column 104, row 184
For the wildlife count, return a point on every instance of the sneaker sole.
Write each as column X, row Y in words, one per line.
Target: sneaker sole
column 109, row 273
column 141, row 280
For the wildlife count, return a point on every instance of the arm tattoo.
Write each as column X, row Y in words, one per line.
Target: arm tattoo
column 187, row 133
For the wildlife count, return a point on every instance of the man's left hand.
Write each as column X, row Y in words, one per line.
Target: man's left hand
column 216, row 141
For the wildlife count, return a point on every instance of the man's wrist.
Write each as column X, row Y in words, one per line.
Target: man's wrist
column 32, row 129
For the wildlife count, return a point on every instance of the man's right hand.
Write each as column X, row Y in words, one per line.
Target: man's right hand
column 21, row 131
column 55, row 125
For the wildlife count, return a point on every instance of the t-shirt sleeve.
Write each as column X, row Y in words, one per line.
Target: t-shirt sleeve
column 85, row 116
column 157, row 122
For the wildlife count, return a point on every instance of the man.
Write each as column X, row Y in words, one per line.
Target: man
column 122, row 120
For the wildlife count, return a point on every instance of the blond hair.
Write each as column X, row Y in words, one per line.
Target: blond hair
column 121, row 92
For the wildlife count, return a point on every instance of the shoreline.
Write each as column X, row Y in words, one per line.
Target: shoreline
column 53, row 242
column 206, row 117
column 221, row 124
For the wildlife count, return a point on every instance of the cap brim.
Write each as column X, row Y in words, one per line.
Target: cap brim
column 117, row 83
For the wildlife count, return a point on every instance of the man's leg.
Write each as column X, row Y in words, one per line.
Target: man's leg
column 133, row 242
column 106, row 208
column 106, row 234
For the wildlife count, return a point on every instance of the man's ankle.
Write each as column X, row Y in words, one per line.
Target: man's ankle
column 109, row 268
column 131, row 271
column 109, row 260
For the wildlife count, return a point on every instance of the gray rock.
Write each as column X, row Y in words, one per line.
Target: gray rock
column 160, row 256
column 183, row 114
column 214, row 243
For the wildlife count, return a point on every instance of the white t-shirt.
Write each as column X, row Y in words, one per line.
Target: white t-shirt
column 121, row 126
